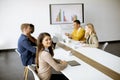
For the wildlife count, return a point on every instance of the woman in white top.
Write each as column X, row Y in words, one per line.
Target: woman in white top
column 44, row 57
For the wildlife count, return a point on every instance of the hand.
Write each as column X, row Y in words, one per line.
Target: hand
column 67, row 34
column 85, row 45
column 82, row 42
column 64, row 62
column 31, row 38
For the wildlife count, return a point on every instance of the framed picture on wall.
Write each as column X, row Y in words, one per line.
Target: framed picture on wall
column 66, row 13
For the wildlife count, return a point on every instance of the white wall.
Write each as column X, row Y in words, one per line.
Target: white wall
column 104, row 14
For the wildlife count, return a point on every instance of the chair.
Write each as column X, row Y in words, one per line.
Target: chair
column 104, row 45
column 34, row 73
column 54, row 41
column 25, row 68
column 17, row 52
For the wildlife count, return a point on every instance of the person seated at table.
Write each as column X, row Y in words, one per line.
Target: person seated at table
column 44, row 57
column 26, row 44
column 78, row 32
column 91, row 36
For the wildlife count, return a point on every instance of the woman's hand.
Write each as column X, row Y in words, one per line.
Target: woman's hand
column 64, row 63
column 84, row 45
column 31, row 38
column 82, row 42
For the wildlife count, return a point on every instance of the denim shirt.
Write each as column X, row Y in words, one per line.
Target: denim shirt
column 27, row 50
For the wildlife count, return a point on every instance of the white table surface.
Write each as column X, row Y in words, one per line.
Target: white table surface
column 81, row 72
column 107, row 59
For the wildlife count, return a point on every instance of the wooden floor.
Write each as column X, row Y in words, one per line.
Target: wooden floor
column 11, row 67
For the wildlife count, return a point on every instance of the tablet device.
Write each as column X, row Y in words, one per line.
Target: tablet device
column 73, row 63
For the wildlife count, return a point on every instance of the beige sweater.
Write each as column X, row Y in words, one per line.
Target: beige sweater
column 46, row 61
column 92, row 41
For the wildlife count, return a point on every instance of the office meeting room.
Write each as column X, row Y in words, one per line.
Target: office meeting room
column 59, row 39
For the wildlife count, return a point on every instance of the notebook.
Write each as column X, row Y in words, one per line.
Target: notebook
column 73, row 63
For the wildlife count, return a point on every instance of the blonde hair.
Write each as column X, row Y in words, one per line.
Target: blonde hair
column 91, row 27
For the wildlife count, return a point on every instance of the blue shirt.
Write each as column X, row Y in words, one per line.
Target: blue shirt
column 27, row 50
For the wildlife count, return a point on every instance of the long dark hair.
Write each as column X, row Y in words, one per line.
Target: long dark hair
column 40, row 46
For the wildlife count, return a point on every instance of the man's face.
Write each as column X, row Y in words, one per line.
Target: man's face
column 28, row 30
column 76, row 26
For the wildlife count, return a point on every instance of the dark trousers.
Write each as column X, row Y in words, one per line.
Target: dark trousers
column 58, row 77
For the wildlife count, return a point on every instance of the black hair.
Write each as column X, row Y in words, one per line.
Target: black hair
column 77, row 21
column 32, row 27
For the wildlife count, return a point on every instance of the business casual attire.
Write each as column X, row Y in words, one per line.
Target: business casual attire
column 46, row 62
column 78, row 34
column 27, row 50
column 92, row 40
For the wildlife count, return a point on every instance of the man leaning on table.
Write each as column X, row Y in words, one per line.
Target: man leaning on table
column 77, row 33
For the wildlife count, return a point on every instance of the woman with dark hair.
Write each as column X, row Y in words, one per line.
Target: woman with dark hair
column 44, row 57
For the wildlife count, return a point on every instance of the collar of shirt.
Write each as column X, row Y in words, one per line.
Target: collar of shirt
column 46, row 49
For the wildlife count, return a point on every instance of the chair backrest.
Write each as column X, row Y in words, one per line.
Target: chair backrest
column 55, row 39
column 17, row 52
column 104, row 45
column 34, row 73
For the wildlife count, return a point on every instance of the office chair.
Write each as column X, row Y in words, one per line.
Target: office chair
column 31, row 68
column 17, row 52
column 104, row 45
column 25, row 68
column 54, row 41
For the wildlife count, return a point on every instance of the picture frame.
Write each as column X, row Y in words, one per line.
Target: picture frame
column 66, row 13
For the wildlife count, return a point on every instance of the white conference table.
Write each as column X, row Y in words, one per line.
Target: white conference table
column 86, row 71
column 80, row 72
column 105, row 58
